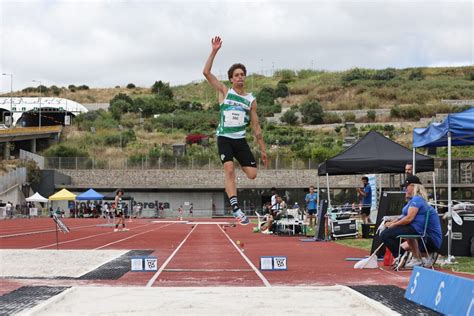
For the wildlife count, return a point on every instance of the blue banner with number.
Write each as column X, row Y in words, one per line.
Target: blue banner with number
column 442, row 292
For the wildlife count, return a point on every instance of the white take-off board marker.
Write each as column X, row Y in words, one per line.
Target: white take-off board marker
column 144, row 264
column 273, row 263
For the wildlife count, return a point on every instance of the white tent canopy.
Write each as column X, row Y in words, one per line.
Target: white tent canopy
column 37, row 198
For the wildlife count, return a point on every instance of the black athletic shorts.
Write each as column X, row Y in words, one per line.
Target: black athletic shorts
column 365, row 210
column 230, row 148
column 118, row 214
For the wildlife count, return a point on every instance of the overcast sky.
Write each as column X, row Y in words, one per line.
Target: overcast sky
column 109, row 43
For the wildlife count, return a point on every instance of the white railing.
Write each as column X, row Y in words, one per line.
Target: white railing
column 12, row 178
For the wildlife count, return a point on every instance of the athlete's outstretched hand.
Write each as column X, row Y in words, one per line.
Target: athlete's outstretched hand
column 216, row 43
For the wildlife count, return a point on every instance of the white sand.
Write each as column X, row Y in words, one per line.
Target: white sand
column 330, row 300
column 53, row 263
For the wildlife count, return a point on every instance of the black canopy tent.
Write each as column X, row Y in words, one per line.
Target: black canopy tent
column 373, row 153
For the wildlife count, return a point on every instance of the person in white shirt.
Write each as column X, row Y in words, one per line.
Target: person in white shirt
column 8, row 208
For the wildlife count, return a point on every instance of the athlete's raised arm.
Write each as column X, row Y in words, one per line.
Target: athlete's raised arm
column 219, row 86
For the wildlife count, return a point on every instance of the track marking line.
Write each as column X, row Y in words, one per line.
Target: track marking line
column 163, row 266
column 41, row 231
column 129, row 237
column 208, row 270
column 394, row 274
column 260, row 275
column 82, row 238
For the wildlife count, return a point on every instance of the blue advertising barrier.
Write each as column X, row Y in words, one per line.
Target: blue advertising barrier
column 442, row 292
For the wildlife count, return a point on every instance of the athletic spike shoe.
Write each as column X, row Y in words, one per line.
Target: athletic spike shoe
column 241, row 218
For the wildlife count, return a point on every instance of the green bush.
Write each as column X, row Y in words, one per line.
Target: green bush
column 349, row 117
column 266, row 96
column 118, row 108
column 385, row 74
column 371, row 115
column 148, row 126
column 55, row 90
column 416, row 74
column 282, row 90
column 331, row 118
column 120, row 103
column 285, row 74
column 120, row 138
column 290, row 117
column 162, row 89
column 131, row 86
column 312, row 112
column 356, row 74
column 99, row 119
column 189, row 106
column 199, row 122
column 153, row 104
column 63, row 150
column 307, row 73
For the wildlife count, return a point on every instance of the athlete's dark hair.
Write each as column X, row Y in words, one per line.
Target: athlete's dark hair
column 232, row 68
column 365, row 178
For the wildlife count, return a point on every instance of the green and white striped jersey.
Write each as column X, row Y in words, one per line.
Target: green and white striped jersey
column 234, row 114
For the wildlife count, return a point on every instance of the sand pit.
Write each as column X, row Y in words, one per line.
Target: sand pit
column 331, row 300
column 53, row 263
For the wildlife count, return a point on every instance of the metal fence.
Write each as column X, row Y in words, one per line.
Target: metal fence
column 179, row 163
column 12, row 178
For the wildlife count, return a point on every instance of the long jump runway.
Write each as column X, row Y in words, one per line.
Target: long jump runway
column 203, row 268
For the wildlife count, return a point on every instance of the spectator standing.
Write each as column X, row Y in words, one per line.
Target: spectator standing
column 180, row 212
column 191, row 210
column 9, row 209
column 311, row 206
column 365, row 195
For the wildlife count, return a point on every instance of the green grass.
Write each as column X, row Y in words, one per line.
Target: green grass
column 361, row 243
column 464, row 264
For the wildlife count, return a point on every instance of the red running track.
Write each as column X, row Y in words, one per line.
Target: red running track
column 199, row 255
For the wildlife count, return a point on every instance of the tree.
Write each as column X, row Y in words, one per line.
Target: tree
column 121, row 103
column 162, row 89
column 266, row 96
column 312, row 112
column 131, row 86
column 282, row 90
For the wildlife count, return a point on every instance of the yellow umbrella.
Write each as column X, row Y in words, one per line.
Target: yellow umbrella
column 63, row 195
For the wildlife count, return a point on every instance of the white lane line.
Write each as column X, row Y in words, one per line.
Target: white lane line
column 163, row 266
column 42, row 231
column 129, row 237
column 87, row 237
column 208, row 270
column 260, row 275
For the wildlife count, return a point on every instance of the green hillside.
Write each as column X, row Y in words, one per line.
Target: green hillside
column 153, row 118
